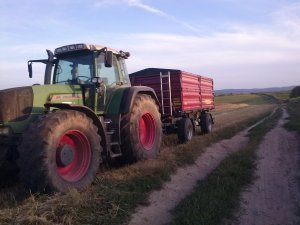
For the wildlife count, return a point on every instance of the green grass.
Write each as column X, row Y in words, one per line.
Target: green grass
column 250, row 99
column 281, row 96
column 293, row 108
column 217, row 198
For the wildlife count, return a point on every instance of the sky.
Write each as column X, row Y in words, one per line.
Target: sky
column 239, row 43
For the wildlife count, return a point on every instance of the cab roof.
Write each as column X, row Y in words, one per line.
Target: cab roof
column 80, row 47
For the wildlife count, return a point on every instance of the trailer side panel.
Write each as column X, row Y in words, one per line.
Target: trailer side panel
column 188, row 92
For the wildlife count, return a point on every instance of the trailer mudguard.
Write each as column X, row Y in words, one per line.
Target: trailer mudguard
column 129, row 96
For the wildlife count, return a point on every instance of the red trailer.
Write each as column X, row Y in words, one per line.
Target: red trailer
column 185, row 99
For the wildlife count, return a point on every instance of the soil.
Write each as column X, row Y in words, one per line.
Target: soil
column 184, row 180
column 269, row 201
column 274, row 196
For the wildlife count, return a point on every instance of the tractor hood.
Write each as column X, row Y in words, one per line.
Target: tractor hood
column 21, row 106
column 15, row 104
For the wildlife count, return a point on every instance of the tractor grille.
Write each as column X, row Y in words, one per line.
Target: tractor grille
column 15, row 104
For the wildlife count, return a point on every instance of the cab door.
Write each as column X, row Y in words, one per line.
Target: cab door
column 110, row 77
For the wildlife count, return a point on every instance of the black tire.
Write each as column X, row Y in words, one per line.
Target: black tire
column 141, row 130
column 185, row 130
column 60, row 151
column 170, row 130
column 206, row 123
column 8, row 166
column 3, row 165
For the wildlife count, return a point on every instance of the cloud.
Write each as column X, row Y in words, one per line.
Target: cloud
column 147, row 8
column 225, row 48
column 246, row 57
column 288, row 19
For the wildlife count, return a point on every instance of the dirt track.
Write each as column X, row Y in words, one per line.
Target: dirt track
column 275, row 194
column 183, row 182
column 270, row 200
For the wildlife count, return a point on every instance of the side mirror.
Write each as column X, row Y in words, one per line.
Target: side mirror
column 108, row 59
column 30, row 69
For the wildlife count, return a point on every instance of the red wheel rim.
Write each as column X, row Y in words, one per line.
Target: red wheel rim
column 147, row 131
column 76, row 144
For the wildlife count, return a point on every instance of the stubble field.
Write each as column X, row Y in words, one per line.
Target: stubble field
column 117, row 191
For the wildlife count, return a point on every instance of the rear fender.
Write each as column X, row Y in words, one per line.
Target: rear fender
column 87, row 111
column 130, row 94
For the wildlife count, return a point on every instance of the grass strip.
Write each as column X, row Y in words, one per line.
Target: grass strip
column 251, row 99
column 216, row 198
column 293, row 108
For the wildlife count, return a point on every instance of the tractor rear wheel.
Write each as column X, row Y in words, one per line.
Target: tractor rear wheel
column 185, row 130
column 141, row 130
column 60, row 151
column 8, row 166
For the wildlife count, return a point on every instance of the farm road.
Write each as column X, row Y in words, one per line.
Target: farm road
column 184, row 180
column 275, row 194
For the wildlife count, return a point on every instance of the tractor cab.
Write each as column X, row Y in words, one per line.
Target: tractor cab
column 97, row 69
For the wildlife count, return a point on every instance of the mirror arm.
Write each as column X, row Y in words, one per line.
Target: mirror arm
column 48, row 61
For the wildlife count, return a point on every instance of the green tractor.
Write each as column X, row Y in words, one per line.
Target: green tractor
column 85, row 113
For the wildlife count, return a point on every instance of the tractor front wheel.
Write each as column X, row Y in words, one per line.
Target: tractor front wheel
column 60, row 151
column 141, row 130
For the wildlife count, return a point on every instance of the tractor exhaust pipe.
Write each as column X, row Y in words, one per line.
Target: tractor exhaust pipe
column 49, row 65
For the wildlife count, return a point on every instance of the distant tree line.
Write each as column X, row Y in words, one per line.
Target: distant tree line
column 295, row 92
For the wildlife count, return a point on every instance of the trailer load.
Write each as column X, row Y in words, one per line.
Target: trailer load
column 185, row 99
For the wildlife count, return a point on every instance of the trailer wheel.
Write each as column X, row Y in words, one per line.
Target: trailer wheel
column 60, row 151
column 185, row 130
column 206, row 123
column 141, row 130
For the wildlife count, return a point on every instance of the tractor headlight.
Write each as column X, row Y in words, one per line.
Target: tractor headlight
column 70, row 48
column 5, row 131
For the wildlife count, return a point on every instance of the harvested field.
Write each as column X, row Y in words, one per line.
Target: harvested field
column 233, row 116
column 230, row 106
column 117, row 191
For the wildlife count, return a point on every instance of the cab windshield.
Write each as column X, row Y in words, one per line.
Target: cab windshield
column 74, row 69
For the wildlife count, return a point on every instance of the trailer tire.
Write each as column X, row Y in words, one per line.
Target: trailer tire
column 185, row 130
column 206, row 123
column 141, row 130
column 60, row 151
